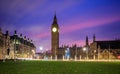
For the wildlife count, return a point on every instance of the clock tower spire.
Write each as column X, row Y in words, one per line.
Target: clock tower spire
column 55, row 20
column 54, row 37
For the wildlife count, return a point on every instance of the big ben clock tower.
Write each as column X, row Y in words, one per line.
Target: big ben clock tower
column 54, row 37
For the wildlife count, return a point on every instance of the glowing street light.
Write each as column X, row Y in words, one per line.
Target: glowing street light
column 41, row 48
column 86, row 50
column 94, row 54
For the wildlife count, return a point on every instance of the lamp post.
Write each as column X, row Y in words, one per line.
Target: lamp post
column 94, row 54
column 41, row 49
column 86, row 50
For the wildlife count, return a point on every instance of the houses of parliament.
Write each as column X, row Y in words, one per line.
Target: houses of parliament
column 103, row 49
column 15, row 46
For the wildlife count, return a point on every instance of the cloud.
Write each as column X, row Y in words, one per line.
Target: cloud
column 79, row 26
column 43, row 35
column 73, row 26
column 57, row 6
column 19, row 8
column 72, row 42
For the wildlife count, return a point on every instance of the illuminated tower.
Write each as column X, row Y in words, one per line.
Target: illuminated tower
column 54, row 37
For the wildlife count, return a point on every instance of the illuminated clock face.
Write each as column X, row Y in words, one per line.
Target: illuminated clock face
column 54, row 29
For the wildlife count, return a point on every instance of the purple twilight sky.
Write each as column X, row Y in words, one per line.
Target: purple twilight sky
column 76, row 19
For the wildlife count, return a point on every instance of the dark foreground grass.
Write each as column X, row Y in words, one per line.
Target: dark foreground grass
column 59, row 67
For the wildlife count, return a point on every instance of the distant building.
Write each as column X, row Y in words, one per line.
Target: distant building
column 106, row 49
column 74, row 51
column 12, row 47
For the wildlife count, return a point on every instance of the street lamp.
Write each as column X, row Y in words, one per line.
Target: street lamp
column 86, row 50
column 41, row 50
column 94, row 54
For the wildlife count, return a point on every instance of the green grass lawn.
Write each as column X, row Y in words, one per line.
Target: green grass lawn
column 59, row 67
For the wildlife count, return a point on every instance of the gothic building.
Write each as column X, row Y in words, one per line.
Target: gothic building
column 106, row 49
column 13, row 47
column 54, row 37
column 109, row 49
column 57, row 51
column 4, row 43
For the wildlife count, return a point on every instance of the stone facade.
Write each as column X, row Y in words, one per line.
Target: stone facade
column 1, row 44
column 106, row 49
column 13, row 47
